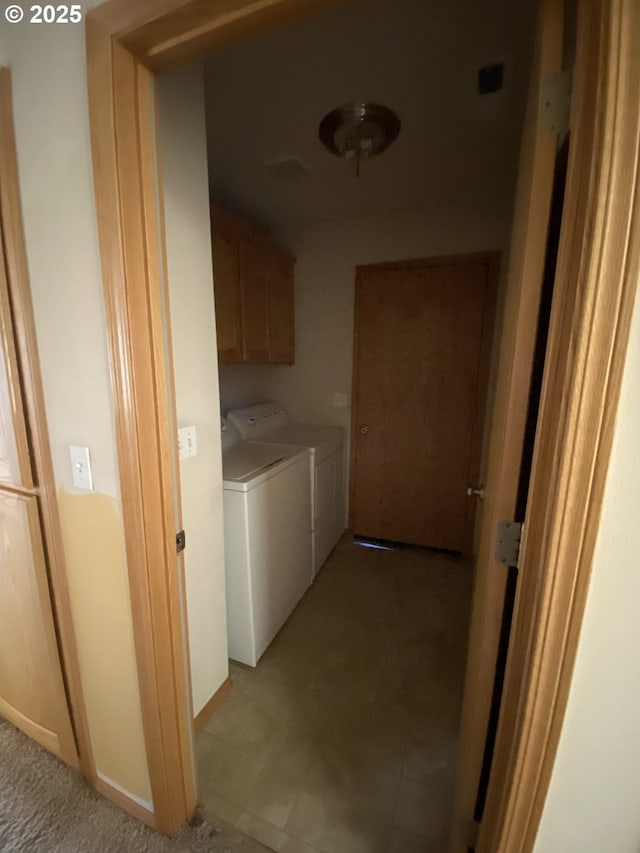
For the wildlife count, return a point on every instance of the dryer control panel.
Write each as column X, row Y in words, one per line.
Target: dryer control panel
column 255, row 421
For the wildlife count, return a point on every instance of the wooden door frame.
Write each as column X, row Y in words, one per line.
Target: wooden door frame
column 492, row 262
column 18, row 285
column 506, row 439
column 595, row 288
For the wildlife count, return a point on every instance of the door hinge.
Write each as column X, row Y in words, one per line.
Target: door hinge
column 555, row 103
column 181, row 541
column 508, row 540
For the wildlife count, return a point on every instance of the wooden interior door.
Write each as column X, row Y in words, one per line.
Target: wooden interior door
column 421, row 354
column 32, row 691
column 517, row 346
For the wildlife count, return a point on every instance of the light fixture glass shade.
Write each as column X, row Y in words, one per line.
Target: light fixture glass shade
column 359, row 129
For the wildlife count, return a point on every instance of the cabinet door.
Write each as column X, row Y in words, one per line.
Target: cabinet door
column 280, row 286
column 254, row 302
column 226, row 289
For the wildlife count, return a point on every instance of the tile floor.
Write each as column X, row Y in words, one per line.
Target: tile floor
column 343, row 738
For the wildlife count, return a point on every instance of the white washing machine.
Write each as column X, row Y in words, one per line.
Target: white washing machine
column 267, row 547
column 269, row 423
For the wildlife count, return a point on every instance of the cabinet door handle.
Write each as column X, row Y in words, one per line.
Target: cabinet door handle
column 364, row 429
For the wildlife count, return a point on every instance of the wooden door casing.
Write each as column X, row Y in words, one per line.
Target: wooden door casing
column 515, row 362
column 422, row 340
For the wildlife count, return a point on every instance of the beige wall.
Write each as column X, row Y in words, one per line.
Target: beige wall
column 325, row 271
column 242, row 385
column 183, row 152
column 54, row 156
column 592, row 803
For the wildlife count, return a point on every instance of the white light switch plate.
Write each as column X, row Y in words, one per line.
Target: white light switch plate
column 81, row 467
column 187, row 443
column 340, row 400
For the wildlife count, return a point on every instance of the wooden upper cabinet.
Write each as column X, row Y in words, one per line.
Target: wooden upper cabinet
column 226, row 288
column 254, row 294
column 279, row 281
column 254, row 299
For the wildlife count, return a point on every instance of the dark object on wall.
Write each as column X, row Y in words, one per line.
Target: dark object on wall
column 490, row 78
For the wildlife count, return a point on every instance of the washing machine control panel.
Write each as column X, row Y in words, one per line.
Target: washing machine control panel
column 255, row 421
column 229, row 434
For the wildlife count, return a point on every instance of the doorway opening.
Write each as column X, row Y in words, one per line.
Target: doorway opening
column 122, row 46
column 533, row 408
column 353, row 707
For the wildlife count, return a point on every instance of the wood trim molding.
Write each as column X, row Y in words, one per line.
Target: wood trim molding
column 31, row 385
column 181, row 641
column 158, row 312
column 216, row 700
column 123, row 800
column 119, row 88
column 596, row 283
column 45, row 737
column 162, row 33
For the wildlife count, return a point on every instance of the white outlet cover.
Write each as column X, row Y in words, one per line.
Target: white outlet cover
column 340, row 400
column 81, row 467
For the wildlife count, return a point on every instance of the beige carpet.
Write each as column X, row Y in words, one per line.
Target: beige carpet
column 47, row 808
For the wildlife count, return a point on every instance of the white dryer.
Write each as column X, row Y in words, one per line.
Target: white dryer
column 269, row 423
column 267, row 547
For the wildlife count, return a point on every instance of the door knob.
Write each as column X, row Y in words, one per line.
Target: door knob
column 479, row 493
column 364, row 429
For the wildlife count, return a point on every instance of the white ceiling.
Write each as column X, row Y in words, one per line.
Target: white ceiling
column 266, row 96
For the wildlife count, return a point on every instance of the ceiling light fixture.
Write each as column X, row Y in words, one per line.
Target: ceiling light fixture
column 358, row 130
